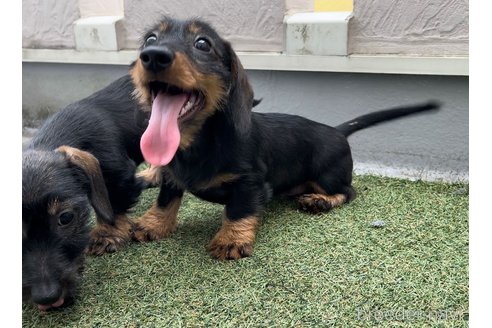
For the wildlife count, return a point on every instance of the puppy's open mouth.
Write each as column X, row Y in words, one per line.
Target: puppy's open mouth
column 194, row 99
column 171, row 107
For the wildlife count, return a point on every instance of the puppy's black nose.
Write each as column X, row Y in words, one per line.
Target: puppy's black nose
column 156, row 59
column 46, row 293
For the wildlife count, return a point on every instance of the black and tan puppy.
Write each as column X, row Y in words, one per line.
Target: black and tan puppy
column 85, row 155
column 209, row 142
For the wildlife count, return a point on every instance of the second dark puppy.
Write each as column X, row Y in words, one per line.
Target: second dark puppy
column 85, row 155
column 203, row 133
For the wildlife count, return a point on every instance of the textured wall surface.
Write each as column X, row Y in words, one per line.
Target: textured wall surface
column 101, row 8
column 424, row 27
column 253, row 25
column 429, row 146
column 428, row 27
column 298, row 6
column 48, row 23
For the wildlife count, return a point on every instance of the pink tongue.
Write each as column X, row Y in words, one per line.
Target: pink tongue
column 160, row 141
column 58, row 303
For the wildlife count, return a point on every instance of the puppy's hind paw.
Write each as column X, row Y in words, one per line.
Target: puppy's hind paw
column 314, row 203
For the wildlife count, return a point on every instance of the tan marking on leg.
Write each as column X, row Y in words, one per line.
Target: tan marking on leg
column 306, row 188
column 317, row 188
column 235, row 239
column 297, row 190
column 151, row 175
column 318, row 203
column 107, row 238
column 157, row 223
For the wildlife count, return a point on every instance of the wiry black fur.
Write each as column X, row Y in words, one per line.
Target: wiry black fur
column 364, row 121
column 271, row 153
column 104, row 125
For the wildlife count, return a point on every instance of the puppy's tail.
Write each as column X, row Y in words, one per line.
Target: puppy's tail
column 374, row 118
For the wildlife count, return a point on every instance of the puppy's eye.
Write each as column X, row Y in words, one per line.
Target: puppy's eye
column 151, row 39
column 65, row 218
column 203, row 45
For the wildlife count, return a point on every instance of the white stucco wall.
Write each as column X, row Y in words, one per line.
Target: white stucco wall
column 427, row 27
column 49, row 23
column 298, row 6
column 101, row 8
column 423, row 27
column 253, row 25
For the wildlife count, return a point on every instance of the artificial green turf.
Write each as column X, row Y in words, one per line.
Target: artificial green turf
column 332, row 269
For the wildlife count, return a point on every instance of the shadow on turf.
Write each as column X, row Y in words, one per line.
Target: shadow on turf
column 195, row 231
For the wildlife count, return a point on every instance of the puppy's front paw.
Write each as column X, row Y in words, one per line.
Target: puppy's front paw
column 223, row 250
column 158, row 222
column 107, row 238
column 149, row 228
column 235, row 239
column 100, row 244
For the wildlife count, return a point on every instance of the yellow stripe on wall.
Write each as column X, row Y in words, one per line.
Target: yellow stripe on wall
column 333, row 5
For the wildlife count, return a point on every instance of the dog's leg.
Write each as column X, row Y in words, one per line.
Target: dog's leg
column 322, row 200
column 236, row 237
column 107, row 238
column 160, row 220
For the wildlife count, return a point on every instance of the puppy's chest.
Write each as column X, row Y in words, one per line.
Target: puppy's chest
column 211, row 187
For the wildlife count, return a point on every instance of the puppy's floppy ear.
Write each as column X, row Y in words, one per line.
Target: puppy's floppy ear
column 241, row 95
column 90, row 165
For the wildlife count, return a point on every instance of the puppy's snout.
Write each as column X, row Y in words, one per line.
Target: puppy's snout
column 156, row 59
column 46, row 293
